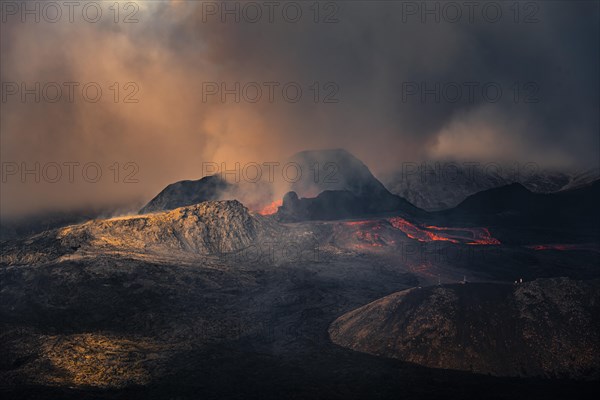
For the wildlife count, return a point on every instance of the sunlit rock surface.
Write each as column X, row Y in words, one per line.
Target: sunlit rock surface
column 201, row 229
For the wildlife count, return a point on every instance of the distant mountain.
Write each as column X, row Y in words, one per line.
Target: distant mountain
column 548, row 327
column 185, row 193
column 511, row 198
column 334, row 170
column 342, row 187
column 582, row 179
column 516, row 205
column 444, row 186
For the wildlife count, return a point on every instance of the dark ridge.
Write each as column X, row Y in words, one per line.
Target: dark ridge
column 341, row 204
column 515, row 205
column 336, row 185
column 186, row 193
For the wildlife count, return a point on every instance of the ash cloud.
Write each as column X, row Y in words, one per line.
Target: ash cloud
column 370, row 54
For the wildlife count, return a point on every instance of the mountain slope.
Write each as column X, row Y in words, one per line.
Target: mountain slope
column 516, row 205
column 501, row 329
column 437, row 186
column 213, row 227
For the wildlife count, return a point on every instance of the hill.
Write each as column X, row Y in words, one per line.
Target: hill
column 548, row 327
column 213, row 227
column 517, row 206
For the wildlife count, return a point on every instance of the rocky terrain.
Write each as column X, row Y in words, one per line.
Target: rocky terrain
column 548, row 327
column 213, row 300
column 200, row 295
column 220, row 229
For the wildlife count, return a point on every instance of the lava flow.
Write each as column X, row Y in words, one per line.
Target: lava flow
column 472, row 236
column 371, row 237
column 368, row 233
column 272, row 208
column 478, row 235
column 417, row 233
column 371, row 233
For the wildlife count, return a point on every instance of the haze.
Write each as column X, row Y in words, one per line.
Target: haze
column 370, row 55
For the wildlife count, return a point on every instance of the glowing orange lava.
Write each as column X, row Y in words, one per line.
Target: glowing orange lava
column 417, row 233
column 371, row 237
column 368, row 234
column 375, row 233
column 272, row 208
column 482, row 236
column 479, row 236
column 356, row 223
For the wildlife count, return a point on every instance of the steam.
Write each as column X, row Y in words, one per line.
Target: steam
column 368, row 56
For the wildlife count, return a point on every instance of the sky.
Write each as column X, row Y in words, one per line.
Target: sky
column 152, row 91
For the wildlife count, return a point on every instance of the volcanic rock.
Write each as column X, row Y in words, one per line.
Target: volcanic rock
column 205, row 228
column 548, row 327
